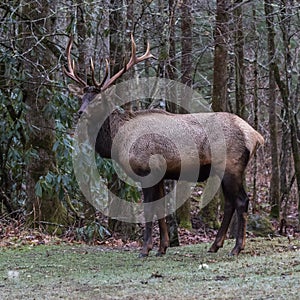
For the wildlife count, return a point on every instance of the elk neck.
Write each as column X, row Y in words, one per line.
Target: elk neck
column 108, row 131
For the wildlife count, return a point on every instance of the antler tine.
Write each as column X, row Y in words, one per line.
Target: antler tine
column 95, row 82
column 133, row 53
column 71, row 65
column 133, row 60
column 106, row 72
column 147, row 54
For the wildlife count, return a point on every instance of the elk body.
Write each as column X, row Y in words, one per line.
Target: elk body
column 135, row 148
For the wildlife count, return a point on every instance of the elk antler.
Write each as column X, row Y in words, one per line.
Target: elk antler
column 97, row 84
column 71, row 73
column 133, row 60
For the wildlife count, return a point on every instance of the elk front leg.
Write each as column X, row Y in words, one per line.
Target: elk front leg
column 148, row 213
column 164, row 237
column 152, row 194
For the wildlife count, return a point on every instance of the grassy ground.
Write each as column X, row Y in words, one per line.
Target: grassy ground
column 267, row 269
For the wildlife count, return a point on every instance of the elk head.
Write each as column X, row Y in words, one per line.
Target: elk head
column 87, row 92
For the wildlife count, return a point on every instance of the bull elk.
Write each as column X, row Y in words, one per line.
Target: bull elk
column 241, row 141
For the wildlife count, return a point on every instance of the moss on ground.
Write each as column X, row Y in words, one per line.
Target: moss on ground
column 267, row 269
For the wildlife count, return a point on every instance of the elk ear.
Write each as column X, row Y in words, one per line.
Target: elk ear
column 76, row 90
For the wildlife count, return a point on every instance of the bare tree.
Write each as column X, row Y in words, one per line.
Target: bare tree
column 287, row 92
column 219, row 94
column 184, row 212
column 273, row 127
column 239, row 60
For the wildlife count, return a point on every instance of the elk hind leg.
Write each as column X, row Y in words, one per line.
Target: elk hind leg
column 147, row 243
column 219, row 240
column 241, row 204
column 229, row 188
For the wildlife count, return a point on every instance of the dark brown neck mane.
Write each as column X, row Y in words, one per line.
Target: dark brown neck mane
column 108, row 130
column 111, row 126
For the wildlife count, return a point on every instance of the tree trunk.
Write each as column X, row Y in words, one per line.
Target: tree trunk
column 275, row 176
column 184, row 212
column 239, row 80
column 45, row 208
column 209, row 214
column 295, row 136
column 172, row 221
column 289, row 105
column 186, row 43
column 239, row 61
column 255, row 110
column 220, row 76
column 117, row 23
column 284, row 87
column 5, row 179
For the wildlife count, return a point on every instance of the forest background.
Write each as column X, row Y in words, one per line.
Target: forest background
column 241, row 56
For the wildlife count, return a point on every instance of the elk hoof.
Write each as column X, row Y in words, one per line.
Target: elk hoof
column 213, row 249
column 143, row 255
column 235, row 251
